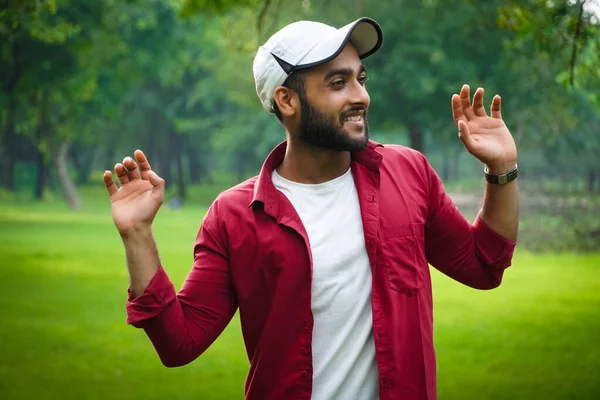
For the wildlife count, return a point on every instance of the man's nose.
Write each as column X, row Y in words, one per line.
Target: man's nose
column 359, row 95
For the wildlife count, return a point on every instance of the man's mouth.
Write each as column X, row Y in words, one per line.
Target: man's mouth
column 357, row 116
column 353, row 118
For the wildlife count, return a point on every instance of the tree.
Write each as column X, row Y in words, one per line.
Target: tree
column 568, row 31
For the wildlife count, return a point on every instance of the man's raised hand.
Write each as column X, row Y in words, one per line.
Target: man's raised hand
column 139, row 195
column 485, row 137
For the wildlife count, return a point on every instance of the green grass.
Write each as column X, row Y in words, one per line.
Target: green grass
column 534, row 337
column 63, row 331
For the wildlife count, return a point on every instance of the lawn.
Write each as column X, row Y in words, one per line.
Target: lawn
column 63, row 331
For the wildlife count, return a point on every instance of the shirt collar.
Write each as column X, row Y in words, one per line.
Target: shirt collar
column 264, row 188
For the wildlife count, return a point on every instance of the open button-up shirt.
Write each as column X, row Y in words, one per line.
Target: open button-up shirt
column 252, row 253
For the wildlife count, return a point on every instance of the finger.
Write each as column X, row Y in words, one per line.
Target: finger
column 122, row 174
column 478, row 108
column 465, row 136
column 158, row 184
column 155, row 180
column 465, row 101
column 457, row 110
column 143, row 163
column 495, row 108
column 111, row 187
column 132, row 168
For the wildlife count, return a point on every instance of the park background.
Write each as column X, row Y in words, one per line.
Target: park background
column 85, row 83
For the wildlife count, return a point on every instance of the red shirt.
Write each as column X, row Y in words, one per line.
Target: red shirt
column 252, row 253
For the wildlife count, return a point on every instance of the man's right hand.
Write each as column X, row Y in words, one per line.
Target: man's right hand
column 140, row 195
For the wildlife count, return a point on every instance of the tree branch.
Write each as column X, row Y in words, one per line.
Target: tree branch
column 15, row 74
column 575, row 38
column 275, row 15
column 261, row 16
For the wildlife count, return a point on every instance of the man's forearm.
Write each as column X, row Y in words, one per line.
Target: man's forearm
column 500, row 211
column 142, row 259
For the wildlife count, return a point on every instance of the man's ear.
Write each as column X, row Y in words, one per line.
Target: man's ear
column 286, row 100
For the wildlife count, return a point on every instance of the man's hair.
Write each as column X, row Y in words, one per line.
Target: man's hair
column 294, row 82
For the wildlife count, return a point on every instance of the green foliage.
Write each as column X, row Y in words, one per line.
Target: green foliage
column 568, row 31
column 194, row 7
column 174, row 77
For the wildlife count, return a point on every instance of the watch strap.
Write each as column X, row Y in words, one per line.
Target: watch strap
column 501, row 179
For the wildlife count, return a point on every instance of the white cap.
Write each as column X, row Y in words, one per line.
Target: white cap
column 305, row 44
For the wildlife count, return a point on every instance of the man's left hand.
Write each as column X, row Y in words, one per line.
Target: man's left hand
column 485, row 137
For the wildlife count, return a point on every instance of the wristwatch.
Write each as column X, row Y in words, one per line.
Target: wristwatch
column 501, row 179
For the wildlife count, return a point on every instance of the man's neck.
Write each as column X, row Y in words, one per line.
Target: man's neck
column 304, row 163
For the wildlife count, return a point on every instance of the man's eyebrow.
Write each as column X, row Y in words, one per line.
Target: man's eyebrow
column 343, row 72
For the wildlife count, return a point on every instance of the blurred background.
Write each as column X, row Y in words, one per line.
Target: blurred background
column 85, row 83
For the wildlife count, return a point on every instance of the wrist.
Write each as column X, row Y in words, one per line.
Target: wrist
column 140, row 232
column 501, row 178
column 500, row 168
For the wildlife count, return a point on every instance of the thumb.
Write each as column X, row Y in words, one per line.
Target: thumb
column 157, row 182
column 464, row 134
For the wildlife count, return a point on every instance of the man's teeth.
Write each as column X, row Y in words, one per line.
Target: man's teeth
column 354, row 118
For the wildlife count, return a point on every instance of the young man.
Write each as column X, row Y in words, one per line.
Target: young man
column 325, row 253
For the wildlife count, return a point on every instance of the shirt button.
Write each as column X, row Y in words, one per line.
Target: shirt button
column 307, row 326
column 304, row 374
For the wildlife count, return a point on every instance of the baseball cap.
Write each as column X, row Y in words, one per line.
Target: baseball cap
column 306, row 44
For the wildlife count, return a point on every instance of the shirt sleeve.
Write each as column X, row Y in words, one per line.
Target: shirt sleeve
column 149, row 304
column 181, row 326
column 472, row 254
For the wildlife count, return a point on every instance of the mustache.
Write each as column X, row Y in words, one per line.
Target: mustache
column 353, row 110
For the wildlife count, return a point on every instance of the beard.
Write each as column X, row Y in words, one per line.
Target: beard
column 320, row 130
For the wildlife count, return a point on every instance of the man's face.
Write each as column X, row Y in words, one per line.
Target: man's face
column 334, row 105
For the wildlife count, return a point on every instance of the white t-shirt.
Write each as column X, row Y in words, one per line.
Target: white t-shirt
column 343, row 348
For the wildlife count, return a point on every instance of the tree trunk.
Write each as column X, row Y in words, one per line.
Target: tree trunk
column 10, row 143
column 195, row 165
column 41, row 175
column 83, row 158
column 40, row 159
column 11, row 79
column 591, row 181
column 181, row 192
column 417, row 138
column 153, row 147
column 164, row 160
column 66, row 184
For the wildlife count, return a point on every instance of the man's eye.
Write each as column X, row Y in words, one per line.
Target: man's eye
column 363, row 79
column 337, row 84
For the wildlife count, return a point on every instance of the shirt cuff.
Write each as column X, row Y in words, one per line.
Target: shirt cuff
column 159, row 292
column 493, row 248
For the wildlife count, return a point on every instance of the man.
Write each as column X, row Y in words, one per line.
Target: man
column 326, row 252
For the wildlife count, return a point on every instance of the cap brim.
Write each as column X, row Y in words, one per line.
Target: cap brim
column 364, row 33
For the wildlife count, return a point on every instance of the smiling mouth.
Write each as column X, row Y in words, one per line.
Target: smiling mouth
column 354, row 117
